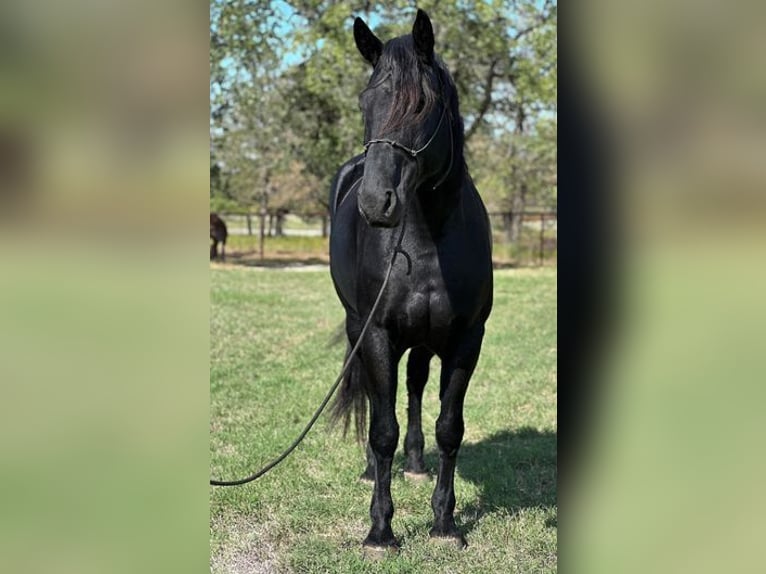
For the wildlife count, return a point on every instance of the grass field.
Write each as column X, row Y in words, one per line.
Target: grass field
column 270, row 366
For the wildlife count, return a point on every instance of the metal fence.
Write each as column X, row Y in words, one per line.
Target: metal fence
column 534, row 241
column 277, row 224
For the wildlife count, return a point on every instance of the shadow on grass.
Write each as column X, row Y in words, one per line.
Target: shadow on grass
column 513, row 469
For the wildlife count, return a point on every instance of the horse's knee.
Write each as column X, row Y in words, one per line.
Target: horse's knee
column 384, row 438
column 449, row 434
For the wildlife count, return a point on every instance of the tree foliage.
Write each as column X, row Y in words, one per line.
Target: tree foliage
column 285, row 77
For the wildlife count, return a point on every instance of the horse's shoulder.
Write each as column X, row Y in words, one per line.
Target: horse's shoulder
column 348, row 174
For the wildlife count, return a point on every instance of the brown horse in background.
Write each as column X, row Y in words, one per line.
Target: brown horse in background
column 218, row 234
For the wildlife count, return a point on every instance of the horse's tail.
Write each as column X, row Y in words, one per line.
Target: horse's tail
column 351, row 398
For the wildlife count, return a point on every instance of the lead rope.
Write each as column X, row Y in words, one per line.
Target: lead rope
column 331, row 392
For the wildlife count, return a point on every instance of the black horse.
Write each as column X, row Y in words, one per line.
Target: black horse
column 218, row 234
column 409, row 196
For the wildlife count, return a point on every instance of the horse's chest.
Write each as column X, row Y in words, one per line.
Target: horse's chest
column 425, row 312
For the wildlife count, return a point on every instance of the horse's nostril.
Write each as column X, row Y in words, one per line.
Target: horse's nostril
column 389, row 202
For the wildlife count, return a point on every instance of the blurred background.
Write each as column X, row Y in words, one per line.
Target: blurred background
column 669, row 383
column 107, row 166
column 103, row 300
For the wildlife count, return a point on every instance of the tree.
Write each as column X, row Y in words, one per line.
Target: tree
column 285, row 78
column 517, row 162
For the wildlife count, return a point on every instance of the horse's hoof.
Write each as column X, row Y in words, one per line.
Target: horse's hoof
column 366, row 479
column 454, row 541
column 377, row 552
column 417, row 476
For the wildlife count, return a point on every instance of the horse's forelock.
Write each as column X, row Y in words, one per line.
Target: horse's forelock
column 409, row 83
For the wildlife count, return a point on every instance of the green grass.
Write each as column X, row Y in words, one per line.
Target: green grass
column 270, row 365
column 526, row 251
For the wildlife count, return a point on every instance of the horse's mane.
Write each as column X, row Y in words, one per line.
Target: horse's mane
column 410, row 81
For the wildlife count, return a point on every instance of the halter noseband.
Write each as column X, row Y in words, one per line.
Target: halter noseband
column 414, row 153
column 410, row 151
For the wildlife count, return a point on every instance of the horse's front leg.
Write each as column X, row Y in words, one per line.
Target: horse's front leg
column 457, row 369
column 380, row 362
column 417, row 377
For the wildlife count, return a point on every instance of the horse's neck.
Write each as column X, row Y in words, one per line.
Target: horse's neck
column 439, row 205
column 434, row 209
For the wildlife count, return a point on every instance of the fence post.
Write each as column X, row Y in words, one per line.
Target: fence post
column 542, row 239
column 263, row 230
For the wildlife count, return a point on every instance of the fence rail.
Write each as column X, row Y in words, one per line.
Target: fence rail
column 530, row 237
column 526, row 238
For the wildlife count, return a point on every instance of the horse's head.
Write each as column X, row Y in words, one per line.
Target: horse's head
column 406, row 122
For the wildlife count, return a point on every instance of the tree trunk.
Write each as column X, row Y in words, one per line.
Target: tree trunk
column 325, row 225
column 508, row 226
column 263, row 213
column 518, row 181
column 518, row 203
column 263, row 232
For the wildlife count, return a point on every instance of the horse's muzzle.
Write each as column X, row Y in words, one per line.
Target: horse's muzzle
column 380, row 208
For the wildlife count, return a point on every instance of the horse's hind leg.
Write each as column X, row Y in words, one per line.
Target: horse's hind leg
column 417, row 377
column 213, row 249
column 369, row 472
column 456, row 372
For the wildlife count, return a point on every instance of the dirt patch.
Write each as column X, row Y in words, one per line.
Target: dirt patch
column 248, row 551
column 292, row 261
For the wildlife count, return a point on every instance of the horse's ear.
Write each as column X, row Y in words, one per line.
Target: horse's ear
column 368, row 43
column 423, row 36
